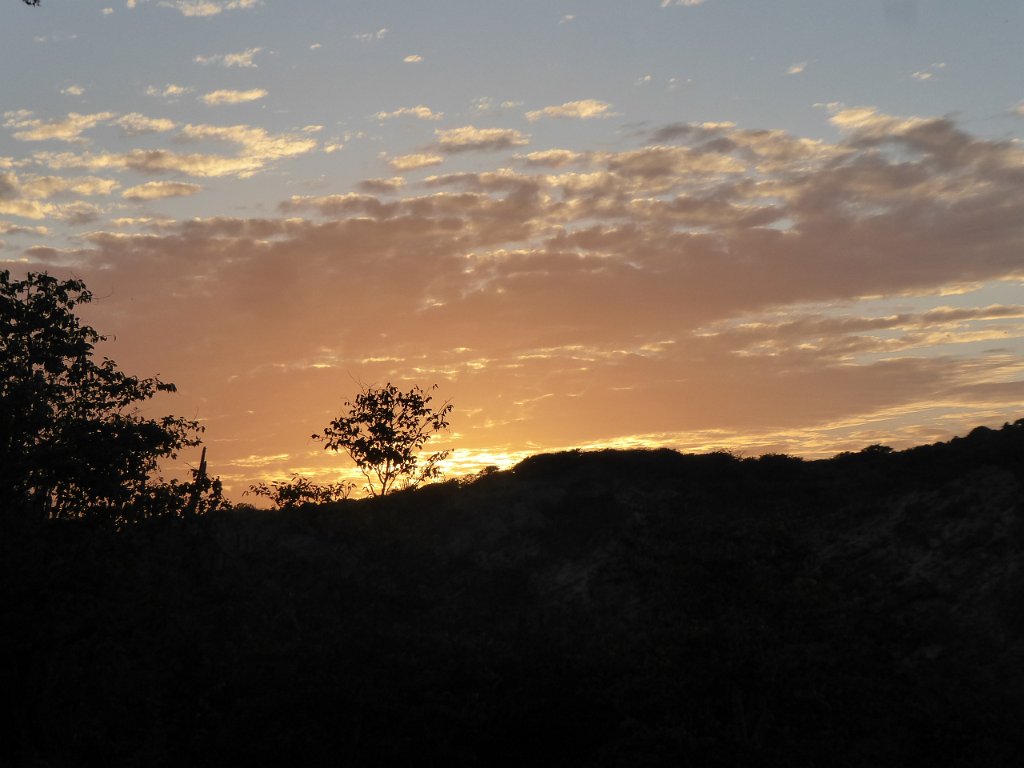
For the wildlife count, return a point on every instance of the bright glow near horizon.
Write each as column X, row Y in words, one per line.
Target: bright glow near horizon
column 793, row 226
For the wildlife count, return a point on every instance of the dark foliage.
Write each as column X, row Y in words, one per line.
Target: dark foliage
column 299, row 491
column 610, row 608
column 72, row 443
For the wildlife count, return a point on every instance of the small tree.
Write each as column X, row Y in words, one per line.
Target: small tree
column 384, row 431
column 71, row 441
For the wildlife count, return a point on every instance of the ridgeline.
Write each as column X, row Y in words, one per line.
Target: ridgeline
column 616, row 608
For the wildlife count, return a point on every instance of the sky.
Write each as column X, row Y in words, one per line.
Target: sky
column 749, row 225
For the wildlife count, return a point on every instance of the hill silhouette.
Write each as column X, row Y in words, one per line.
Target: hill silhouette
column 604, row 608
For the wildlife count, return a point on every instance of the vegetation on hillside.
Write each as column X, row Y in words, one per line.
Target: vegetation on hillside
column 608, row 608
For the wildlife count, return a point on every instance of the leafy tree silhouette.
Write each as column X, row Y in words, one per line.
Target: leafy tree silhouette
column 72, row 443
column 383, row 433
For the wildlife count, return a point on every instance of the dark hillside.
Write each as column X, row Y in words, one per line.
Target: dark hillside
column 608, row 608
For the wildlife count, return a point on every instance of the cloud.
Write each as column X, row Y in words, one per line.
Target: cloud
column 243, row 59
column 203, row 8
column 609, row 296
column 420, row 112
column 586, row 109
column 413, row 161
column 381, row 186
column 156, row 190
column 8, row 228
column 169, row 91
column 69, row 129
column 366, row 37
column 796, row 69
column 922, row 75
column 73, row 90
column 471, row 139
column 667, row 3
column 552, row 158
column 137, row 123
column 413, row 58
column 233, row 97
column 256, row 147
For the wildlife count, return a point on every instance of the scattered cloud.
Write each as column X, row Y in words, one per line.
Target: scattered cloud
column 471, row 139
column 381, row 186
column 315, row 46
column 202, row 8
column 169, row 91
column 155, row 190
column 71, row 128
column 420, row 112
column 243, row 59
column 552, row 158
column 585, row 109
column 107, row 11
column 748, row 255
column 73, row 90
column 413, row 58
column 796, row 69
column 930, row 72
column 136, row 123
column 366, row 37
column 256, row 149
column 8, row 228
column 233, row 97
column 413, row 161
column 566, row 18
column 667, row 3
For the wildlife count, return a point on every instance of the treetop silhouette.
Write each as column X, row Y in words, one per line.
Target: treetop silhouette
column 384, row 431
column 72, row 443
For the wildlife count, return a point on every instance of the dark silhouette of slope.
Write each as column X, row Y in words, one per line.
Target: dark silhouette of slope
column 606, row 608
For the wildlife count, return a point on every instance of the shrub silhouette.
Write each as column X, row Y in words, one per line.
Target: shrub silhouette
column 290, row 494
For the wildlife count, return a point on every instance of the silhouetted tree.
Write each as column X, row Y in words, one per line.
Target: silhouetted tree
column 71, row 441
column 30, row 2
column 384, row 431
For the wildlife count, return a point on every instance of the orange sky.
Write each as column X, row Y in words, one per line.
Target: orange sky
column 664, row 244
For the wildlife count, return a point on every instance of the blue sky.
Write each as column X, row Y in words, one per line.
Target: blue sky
column 760, row 226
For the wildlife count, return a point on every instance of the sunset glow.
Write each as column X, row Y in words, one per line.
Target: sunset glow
column 757, row 227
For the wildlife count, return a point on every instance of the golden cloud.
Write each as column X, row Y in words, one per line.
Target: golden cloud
column 155, row 190
column 471, row 139
column 421, row 112
column 70, row 128
column 586, row 109
column 413, row 161
column 233, row 97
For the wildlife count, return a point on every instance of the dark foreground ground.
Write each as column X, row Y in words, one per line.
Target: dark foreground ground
column 615, row 608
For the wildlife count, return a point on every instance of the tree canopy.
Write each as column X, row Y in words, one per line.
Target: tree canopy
column 72, row 442
column 384, row 431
